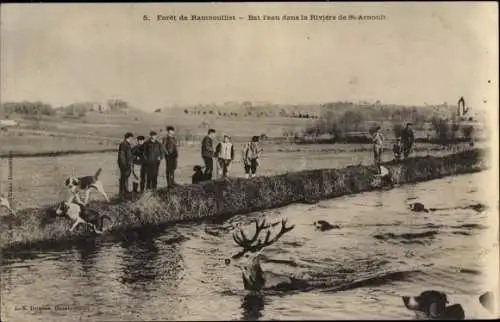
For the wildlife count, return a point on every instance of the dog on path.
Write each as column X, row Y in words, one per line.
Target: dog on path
column 85, row 184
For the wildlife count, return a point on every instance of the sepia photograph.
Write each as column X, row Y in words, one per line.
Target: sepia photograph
column 249, row 161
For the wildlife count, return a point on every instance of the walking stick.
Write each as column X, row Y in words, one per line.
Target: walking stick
column 216, row 168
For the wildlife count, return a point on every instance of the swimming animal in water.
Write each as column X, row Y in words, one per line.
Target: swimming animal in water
column 420, row 207
column 432, row 305
column 417, row 207
column 324, row 225
column 479, row 207
column 248, row 259
column 487, row 300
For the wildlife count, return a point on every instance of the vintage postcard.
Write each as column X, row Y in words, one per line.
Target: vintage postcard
column 249, row 161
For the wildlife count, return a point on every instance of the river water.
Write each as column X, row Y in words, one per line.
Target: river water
column 178, row 273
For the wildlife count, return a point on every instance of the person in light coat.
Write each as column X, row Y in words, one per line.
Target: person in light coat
column 378, row 145
column 250, row 156
column 225, row 155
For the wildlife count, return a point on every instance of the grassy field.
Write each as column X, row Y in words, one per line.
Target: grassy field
column 228, row 197
column 39, row 179
column 44, row 128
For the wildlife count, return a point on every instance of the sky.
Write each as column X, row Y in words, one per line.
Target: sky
column 421, row 52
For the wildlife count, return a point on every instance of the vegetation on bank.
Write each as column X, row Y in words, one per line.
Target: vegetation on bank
column 219, row 198
column 356, row 126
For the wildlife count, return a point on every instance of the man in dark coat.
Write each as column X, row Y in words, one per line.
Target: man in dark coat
column 207, row 153
column 171, row 154
column 153, row 154
column 139, row 170
column 408, row 137
column 125, row 160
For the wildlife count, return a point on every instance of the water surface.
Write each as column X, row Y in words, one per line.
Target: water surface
column 179, row 273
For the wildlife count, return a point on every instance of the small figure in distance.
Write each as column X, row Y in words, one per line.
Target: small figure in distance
column 397, row 148
column 408, row 138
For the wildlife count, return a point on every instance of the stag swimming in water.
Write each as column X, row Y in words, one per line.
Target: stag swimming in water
column 248, row 259
column 256, row 280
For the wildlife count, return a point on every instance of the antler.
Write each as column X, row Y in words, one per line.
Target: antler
column 255, row 243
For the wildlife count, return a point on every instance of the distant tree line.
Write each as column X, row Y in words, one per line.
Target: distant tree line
column 28, row 108
column 301, row 115
column 342, row 120
column 74, row 110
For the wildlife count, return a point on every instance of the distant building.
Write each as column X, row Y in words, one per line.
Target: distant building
column 5, row 123
column 8, row 123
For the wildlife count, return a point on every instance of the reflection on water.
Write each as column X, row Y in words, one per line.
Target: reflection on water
column 139, row 261
column 252, row 305
column 381, row 251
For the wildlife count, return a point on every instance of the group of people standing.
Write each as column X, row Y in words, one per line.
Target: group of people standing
column 224, row 154
column 402, row 147
column 141, row 160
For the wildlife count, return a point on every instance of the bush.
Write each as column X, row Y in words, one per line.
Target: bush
column 397, row 129
column 468, row 131
column 443, row 130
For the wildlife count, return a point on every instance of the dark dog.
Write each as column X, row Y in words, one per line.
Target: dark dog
column 432, row 305
column 487, row 301
column 198, row 175
column 417, row 207
column 324, row 225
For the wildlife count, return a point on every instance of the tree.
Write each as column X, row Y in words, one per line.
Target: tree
column 351, row 120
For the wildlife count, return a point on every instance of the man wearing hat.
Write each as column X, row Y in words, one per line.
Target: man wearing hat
column 125, row 160
column 171, row 154
column 408, row 137
column 139, row 170
column 153, row 154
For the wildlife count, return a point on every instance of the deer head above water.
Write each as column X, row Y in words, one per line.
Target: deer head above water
column 248, row 259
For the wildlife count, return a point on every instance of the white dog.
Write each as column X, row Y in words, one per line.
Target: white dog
column 4, row 202
column 80, row 215
column 85, row 184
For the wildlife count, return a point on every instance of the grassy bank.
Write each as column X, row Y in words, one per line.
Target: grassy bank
column 32, row 227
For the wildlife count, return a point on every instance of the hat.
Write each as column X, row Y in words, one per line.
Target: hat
column 152, row 133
